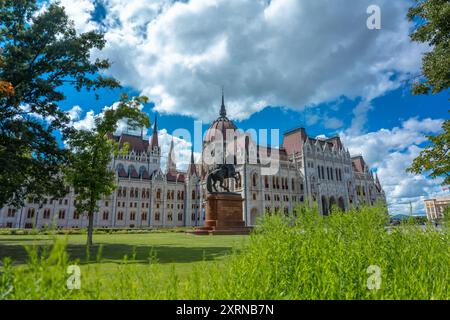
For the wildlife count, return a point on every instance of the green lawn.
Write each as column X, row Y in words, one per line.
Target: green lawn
column 178, row 250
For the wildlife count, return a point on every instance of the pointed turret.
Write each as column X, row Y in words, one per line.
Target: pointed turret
column 223, row 110
column 154, row 143
column 192, row 170
column 171, row 165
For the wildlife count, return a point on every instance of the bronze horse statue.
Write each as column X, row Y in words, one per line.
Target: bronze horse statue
column 224, row 171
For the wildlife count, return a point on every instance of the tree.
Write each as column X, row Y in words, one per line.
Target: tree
column 88, row 172
column 40, row 52
column 433, row 27
column 435, row 158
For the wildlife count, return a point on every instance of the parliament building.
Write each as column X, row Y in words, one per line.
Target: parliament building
column 309, row 170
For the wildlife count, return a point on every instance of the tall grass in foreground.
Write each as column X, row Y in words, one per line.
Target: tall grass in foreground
column 307, row 257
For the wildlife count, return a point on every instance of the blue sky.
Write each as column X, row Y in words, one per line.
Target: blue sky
column 283, row 63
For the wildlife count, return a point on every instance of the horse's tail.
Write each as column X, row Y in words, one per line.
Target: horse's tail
column 209, row 183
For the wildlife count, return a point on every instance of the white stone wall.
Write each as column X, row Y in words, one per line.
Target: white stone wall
column 162, row 211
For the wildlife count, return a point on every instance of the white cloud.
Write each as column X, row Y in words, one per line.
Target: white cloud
column 182, row 150
column 332, row 123
column 280, row 52
column 391, row 152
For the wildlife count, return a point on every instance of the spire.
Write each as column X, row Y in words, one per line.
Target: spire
column 223, row 111
column 192, row 168
column 154, row 142
column 171, row 165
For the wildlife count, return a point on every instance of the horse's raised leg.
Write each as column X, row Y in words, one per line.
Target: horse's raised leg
column 224, row 187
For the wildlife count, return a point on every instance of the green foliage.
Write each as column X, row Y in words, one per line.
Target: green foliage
column 88, row 171
column 435, row 158
column 303, row 257
column 40, row 51
column 433, row 27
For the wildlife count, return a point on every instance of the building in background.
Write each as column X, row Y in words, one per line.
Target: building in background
column 310, row 170
column 435, row 207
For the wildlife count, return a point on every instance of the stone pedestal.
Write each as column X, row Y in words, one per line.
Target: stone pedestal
column 223, row 215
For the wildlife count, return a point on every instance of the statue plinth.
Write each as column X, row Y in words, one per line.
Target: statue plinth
column 223, row 215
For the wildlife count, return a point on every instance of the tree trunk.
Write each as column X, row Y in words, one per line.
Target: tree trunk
column 90, row 228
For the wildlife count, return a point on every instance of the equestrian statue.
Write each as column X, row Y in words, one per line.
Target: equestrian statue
column 223, row 171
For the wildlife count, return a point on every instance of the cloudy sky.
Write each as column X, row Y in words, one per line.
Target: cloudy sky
column 283, row 63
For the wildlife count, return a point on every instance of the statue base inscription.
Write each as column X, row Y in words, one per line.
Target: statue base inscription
column 223, row 215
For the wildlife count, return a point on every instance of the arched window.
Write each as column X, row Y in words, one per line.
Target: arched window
column 157, row 216
column 180, row 216
column 158, row 194
column 293, row 184
column 30, row 213
column 193, row 194
column 254, row 179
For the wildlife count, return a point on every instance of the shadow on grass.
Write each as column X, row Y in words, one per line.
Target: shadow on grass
column 114, row 253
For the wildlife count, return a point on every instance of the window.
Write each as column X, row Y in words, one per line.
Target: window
column 106, row 203
column 76, row 215
column 61, row 214
column 169, row 217
column 180, row 217
column 46, row 214
column 11, row 212
column 254, row 180
column 66, row 202
column 193, row 216
column 157, row 216
column 133, row 216
column 120, row 215
column 30, row 213
column 144, row 216
column 105, row 215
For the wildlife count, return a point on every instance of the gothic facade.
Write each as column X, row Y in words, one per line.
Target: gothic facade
column 309, row 170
